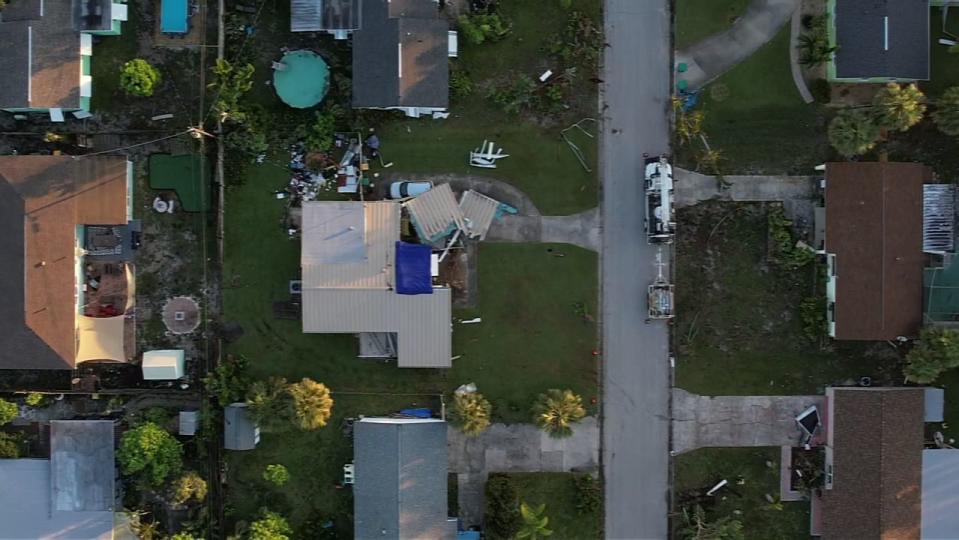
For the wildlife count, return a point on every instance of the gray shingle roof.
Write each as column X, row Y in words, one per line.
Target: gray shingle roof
column 400, row 56
column 400, row 479
column 82, row 465
column 861, row 35
column 239, row 432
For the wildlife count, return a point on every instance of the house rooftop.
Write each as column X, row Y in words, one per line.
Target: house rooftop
column 877, row 442
column 70, row 495
column 324, row 15
column 42, row 201
column 400, row 55
column 874, row 228
column 882, row 39
column 400, row 486
column 349, row 279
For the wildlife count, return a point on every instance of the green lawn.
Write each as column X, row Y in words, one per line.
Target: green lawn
column 557, row 492
column 738, row 329
column 533, row 337
column 944, row 65
column 699, row 19
column 315, row 461
column 108, row 57
column 755, row 116
column 696, row 472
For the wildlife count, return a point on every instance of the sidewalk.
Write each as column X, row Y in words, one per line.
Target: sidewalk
column 718, row 53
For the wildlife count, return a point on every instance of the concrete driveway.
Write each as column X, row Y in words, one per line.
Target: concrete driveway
column 516, row 448
column 581, row 229
column 692, row 188
column 731, row 421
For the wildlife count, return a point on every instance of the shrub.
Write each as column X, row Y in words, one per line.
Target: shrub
column 276, row 474
column 189, row 486
column 319, row 136
column 9, row 445
column 821, row 90
column 270, row 526
column 461, row 86
column 557, row 410
column 312, row 404
column 812, row 312
column 502, row 508
column 8, row 411
column 150, row 451
column 783, row 249
column 139, row 78
column 228, row 382
column 514, row 96
column 814, row 47
column 937, row 351
column 589, row 494
column 471, row 413
column 947, row 112
column 479, row 28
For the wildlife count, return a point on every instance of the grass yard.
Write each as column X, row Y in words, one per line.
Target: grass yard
column 315, row 461
column 943, row 64
column 698, row 19
column 533, row 335
column 697, row 471
column 756, row 118
column 109, row 55
column 738, row 325
column 557, row 492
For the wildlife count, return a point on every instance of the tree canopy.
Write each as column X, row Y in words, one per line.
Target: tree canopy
column 276, row 474
column 696, row 526
column 471, row 413
column 190, row 485
column 936, row 351
column 312, row 404
column 899, row 107
column 557, row 410
column 150, row 451
column 139, row 78
column 853, row 132
column 946, row 115
column 270, row 526
column 231, row 83
column 8, row 411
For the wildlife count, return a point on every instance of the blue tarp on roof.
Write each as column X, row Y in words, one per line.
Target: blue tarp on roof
column 413, row 269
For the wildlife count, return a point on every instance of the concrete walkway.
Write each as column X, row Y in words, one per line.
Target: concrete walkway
column 516, row 448
column 795, row 30
column 581, row 229
column 718, row 53
column 731, row 421
column 692, row 188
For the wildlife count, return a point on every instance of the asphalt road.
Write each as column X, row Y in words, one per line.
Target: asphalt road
column 636, row 369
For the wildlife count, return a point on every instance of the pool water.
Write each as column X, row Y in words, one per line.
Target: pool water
column 173, row 16
column 303, row 80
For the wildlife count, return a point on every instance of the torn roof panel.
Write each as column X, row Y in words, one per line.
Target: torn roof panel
column 436, row 214
column 479, row 212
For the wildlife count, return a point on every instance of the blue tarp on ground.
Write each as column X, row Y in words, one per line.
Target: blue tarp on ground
column 413, row 269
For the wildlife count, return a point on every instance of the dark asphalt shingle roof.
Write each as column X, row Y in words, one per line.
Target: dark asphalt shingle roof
column 861, row 38
column 45, row 50
column 400, row 480
column 877, row 465
column 400, row 56
column 874, row 228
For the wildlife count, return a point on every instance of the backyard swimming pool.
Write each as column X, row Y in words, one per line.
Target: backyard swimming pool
column 173, row 16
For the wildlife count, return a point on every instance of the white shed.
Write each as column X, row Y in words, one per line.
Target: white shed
column 166, row 365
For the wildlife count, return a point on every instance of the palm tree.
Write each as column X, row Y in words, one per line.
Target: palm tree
column 899, row 107
column 557, row 410
column 853, row 132
column 709, row 159
column 814, row 48
column 947, row 112
column 689, row 125
column 534, row 522
column 471, row 413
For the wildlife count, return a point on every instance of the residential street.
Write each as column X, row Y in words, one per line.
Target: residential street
column 636, row 369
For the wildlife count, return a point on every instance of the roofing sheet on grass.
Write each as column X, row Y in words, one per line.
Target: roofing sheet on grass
column 188, row 175
column 302, row 79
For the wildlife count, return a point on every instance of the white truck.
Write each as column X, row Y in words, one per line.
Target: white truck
column 660, row 211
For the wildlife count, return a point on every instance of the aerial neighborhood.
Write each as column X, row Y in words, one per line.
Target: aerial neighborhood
column 479, row 269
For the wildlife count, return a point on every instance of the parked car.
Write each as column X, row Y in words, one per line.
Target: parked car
column 404, row 189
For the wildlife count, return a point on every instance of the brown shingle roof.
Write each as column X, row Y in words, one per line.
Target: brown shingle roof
column 42, row 200
column 877, row 441
column 874, row 227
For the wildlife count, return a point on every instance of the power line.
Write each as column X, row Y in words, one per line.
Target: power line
column 121, row 148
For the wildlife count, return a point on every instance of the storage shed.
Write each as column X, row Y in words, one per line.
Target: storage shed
column 239, row 431
column 165, row 365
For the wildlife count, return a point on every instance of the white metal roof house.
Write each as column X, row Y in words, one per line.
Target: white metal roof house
column 69, row 496
column 349, row 283
column 399, row 489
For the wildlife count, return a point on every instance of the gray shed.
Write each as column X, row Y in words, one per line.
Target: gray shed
column 239, row 431
column 400, row 479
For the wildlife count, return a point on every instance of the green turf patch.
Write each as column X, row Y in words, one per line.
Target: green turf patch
column 699, row 19
column 188, row 175
column 558, row 492
column 753, row 473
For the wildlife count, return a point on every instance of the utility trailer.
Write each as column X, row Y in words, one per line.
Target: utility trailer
column 659, row 294
column 660, row 211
